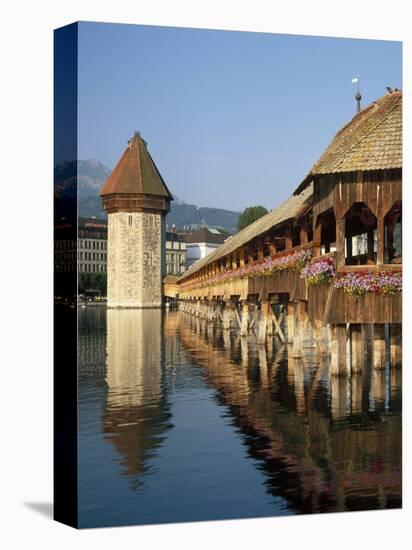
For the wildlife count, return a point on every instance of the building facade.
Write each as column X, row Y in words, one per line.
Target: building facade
column 202, row 242
column 136, row 199
column 92, row 245
column 64, row 246
column 175, row 254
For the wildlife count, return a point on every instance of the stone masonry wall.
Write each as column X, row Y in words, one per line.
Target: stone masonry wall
column 134, row 259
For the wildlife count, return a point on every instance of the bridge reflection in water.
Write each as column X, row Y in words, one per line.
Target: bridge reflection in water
column 315, row 442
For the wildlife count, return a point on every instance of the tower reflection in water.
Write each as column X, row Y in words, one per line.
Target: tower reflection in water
column 136, row 415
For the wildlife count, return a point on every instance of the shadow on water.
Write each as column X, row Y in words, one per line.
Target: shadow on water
column 167, row 398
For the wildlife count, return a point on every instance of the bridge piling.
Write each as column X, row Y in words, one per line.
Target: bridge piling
column 338, row 350
column 379, row 346
column 290, row 322
column 265, row 321
column 357, row 354
column 244, row 324
column 395, row 339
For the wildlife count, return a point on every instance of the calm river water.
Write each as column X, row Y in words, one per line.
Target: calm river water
column 181, row 422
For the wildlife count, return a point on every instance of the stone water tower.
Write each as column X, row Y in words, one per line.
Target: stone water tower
column 137, row 200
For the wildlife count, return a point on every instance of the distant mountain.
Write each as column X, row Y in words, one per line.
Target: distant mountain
column 91, row 174
column 191, row 216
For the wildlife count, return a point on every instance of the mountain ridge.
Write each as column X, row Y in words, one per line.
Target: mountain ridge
column 91, row 174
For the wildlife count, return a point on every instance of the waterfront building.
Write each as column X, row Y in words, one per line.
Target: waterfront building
column 175, row 253
column 136, row 199
column 202, row 242
column 92, row 245
column 90, row 250
column 64, row 246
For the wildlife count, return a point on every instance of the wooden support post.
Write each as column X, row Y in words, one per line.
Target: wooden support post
column 379, row 347
column 300, row 313
column 249, row 255
column 272, row 249
column 263, row 367
column 356, row 392
column 227, row 316
column 339, row 396
column 277, row 322
column 380, row 238
column 367, row 339
column 338, row 350
column 325, row 339
column 290, row 323
column 395, row 338
column 299, row 387
column 304, row 232
column 244, row 351
column 234, row 260
column 395, row 387
column 308, row 336
column 244, row 325
column 260, row 249
column 340, row 242
column 379, row 388
column 317, row 237
column 242, row 257
column 288, row 236
column 265, row 319
column 357, row 355
column 226, row 339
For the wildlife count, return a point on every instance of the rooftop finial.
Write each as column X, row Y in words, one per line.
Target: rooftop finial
column 358, row 96
column 136, row 134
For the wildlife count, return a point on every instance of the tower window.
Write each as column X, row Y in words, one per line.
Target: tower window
column 130, row 221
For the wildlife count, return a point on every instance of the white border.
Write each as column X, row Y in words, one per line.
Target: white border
column 26, row 246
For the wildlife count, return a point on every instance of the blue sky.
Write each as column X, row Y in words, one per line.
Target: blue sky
column 232, row 119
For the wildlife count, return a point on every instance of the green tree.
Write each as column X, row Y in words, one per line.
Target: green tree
column 97, row 281
column 249, row 215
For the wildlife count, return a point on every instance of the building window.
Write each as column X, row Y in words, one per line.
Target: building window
column 130, row 221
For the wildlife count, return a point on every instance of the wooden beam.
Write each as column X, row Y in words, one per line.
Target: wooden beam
column 260, row 249
column 380, row 237
column 304, row 232
column 379, row 346
column 288, row 236
column 242, row 256
column 278, row 330
column 356, row 348
column 317, row 238
column 340, row 242
column 244, row 324
column 272, row 248
column 290, row 323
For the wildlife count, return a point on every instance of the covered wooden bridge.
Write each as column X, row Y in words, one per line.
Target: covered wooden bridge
column 324, row 268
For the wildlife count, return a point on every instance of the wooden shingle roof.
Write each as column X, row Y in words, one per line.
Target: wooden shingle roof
column 136, row 173
column 289, row 209
column 372, row 140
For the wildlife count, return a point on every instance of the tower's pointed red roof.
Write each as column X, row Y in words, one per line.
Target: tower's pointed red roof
column 136, row 173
